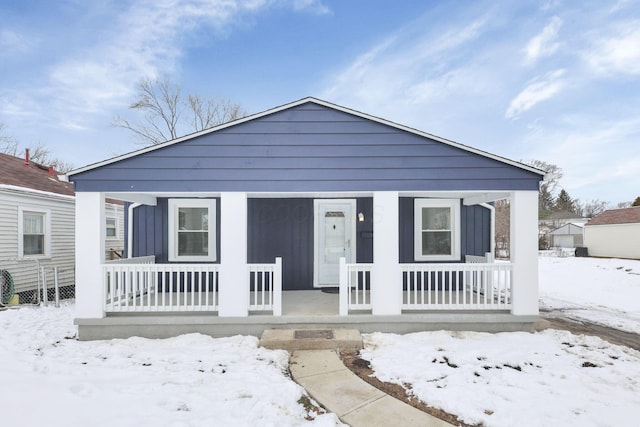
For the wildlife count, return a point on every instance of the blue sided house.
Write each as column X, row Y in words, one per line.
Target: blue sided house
column 306, row 215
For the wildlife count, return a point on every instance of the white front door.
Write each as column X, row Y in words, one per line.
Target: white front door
column 334, row 237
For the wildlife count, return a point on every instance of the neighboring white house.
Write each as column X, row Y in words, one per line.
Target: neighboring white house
column 568, row 236
column 614, row 233
column 37, row 225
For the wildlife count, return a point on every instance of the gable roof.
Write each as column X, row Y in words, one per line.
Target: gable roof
column 16, row 172
column 617, row 216
column 307, row 146
column 569, row 228
column 294, row 104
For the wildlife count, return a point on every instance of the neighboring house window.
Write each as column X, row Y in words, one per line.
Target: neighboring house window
column 192, row 229
column 112, row 228
column 437, row 229
column 33, row 233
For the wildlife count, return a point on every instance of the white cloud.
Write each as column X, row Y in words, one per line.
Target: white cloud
column 145, row 40
column 410, row 63
column 619, row 53
column 598, row 155
column 313, row 6
column 12, row 42
column 544, row 44
column 538, row 90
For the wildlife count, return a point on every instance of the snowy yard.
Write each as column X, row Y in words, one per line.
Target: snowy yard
column 552, row 378
column 50, row 379
column 605, row 291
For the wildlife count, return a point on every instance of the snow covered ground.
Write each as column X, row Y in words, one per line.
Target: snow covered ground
column 48, row 378
column 551, row 378
column 605, row 291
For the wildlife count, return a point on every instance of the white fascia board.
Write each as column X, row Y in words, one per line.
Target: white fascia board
column 483, row 198
column 142, row 198
column 295, row 104
column 31, row 191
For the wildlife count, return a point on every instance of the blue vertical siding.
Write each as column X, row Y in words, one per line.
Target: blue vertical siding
column 364, row 230
column 284, row 228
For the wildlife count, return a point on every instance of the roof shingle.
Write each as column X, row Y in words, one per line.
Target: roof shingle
column 617, row 216
column 14, row 171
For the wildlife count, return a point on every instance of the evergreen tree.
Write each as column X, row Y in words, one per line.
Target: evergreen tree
column 564, row 202
column 636, row 202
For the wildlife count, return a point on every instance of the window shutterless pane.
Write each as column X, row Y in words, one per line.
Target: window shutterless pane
column 436, row 242
column 32, row 223
column 436, row 218
column 111, row 227
column 193, row 243
column 193, row 218
column 33, row 244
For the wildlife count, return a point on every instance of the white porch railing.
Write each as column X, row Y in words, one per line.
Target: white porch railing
column 469, row 286
column 355, row 287
column 151, row 259
column 265, row 287
column 133, row 286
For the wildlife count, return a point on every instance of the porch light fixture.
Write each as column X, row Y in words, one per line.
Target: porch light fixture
column 360, row 217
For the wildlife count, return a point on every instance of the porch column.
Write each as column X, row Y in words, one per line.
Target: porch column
column 90, row 254
column 234, row 279
column 524, row 252
column 386, row 279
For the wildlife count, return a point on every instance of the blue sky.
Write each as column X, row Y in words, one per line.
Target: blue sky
column 551, row 80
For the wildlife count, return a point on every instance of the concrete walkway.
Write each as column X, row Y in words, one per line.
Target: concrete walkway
column 332, row 384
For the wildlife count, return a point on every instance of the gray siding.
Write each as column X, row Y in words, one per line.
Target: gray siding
column 475, row 223
column 25, row 273
column 308, row 147
column 115, row 244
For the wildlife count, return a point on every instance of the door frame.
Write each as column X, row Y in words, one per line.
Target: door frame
column 317, row 203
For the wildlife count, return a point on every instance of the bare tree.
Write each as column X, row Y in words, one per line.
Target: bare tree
column 503, row 228
column 554, row 174
column 8, row 145
column 546, row 198
column 38, row 154
column 167, row 114
column 591, row 208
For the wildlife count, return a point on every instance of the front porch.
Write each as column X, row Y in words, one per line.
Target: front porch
column 301, row 310
column 142, row 298
column 232, row 295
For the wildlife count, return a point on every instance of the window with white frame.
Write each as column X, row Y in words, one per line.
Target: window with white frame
column 436, row 229
column 33, row 233
column 112, row 228
column 192, row 230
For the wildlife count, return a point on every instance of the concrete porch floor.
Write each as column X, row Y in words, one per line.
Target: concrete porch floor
column 301, row 310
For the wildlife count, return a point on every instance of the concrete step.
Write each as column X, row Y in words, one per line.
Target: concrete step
column 312, row 339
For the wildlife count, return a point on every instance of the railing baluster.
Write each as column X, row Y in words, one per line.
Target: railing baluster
column 477, row 285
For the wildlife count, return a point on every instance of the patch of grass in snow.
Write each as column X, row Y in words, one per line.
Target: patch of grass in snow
column 310, row 407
